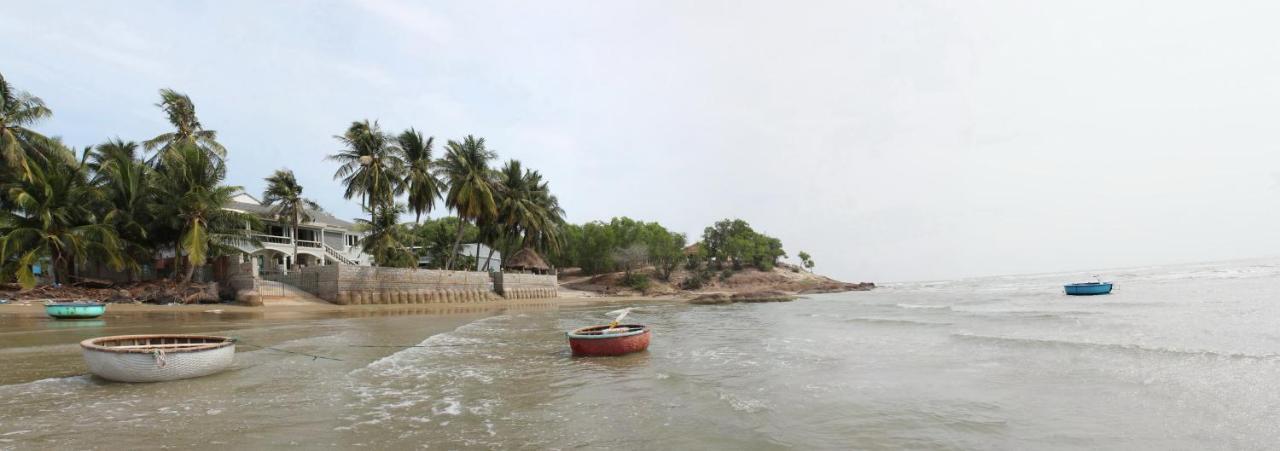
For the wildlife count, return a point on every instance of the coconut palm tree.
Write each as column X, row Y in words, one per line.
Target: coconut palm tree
column 53, row 216
column 188, row 190
column 371, row 167
column 187, row 131
column 385, row 238
column 527, row 211
column 123, row 180
column 420, row 178
column 284, row 196
column 18, row 111
column 471, row 188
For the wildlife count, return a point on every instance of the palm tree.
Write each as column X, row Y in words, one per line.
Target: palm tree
column 471, row 188
column 527, row 211
column 123, row 179
column 284, row 196
column 19, row 110
column 371, row 167
column 420, row 178
column 188, row 190
column 53, row 216
column 181, row 113
column 385, row 238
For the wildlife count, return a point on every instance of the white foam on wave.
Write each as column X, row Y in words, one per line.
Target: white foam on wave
column 923, row 306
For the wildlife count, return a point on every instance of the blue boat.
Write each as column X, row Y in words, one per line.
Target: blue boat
column 75, row 310
column 1087, row 288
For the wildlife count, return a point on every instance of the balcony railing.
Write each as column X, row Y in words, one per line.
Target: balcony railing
column 273, row 239
column 276, row 239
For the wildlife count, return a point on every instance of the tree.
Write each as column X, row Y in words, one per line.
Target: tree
column 385, row 238
column 527, row 212
column 734, row 241
column 18, row 143
column 434, row 238
column 371, row 167
column 471, row 188
column 284, row 196
column 123, row 180
column 53, row 215
column 631, row 257
column 806, row 260
column 421, row 180
column 190, row 193
column 666, row 250
column 187, row 132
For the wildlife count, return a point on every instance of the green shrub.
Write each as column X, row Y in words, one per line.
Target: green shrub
column 638, row 282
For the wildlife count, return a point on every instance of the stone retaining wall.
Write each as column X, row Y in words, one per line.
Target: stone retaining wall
column 243, row 276
column 357, row 285
column 525, row 286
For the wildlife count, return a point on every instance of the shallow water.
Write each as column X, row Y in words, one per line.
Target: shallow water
column 1182, row 357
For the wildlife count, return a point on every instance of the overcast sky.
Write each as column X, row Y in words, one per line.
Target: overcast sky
column 892, row 140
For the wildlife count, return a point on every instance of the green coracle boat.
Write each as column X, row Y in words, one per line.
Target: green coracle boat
column 75, row 310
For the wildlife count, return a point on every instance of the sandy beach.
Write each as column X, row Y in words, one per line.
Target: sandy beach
column 38, row 347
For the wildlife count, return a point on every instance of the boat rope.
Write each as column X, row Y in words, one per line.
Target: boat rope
column 403, row 346
column 315, row 357
column 159, row 356
column 269, row 348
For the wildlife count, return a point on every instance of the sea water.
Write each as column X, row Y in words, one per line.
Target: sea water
column 1178, row 357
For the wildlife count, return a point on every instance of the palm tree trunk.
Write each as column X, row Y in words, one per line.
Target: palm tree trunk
column 188, row 271
column 488, row 258
column 457, row 241
column 177, row 261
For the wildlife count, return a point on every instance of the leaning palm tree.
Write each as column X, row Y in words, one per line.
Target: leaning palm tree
column 53, row 216
column 18, row 111
column 187, row 131
column 189, row 192
column 123, row 181
column 420, row 178
column 284, row 196
column 371, row 167
column 527, row 211
column 471, row 189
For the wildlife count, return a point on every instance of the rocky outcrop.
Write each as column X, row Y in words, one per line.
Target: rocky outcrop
column 751, row 296
column 838, row 287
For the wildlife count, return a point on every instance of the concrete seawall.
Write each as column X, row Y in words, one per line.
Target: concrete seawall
column 361, row 285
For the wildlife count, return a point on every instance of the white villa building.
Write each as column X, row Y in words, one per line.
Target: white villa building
column 478, row 251
column 325, row 240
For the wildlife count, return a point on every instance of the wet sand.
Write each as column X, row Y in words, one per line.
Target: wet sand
column 34, row 346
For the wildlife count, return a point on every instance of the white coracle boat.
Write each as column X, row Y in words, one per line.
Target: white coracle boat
column 154, row 358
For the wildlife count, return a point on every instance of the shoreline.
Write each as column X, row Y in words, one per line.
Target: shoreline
column 36, row 308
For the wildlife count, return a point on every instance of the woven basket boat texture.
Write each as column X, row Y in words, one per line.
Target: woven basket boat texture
column 155, row 358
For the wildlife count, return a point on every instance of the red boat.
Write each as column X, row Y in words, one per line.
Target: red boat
column 609, row 340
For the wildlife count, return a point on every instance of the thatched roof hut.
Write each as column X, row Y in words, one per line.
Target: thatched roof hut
column 693, row 249
column 527, row 260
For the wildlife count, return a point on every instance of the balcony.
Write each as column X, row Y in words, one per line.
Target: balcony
column 276, row 239
column 273, row 239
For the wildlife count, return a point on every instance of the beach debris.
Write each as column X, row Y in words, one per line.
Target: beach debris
column 152, row 291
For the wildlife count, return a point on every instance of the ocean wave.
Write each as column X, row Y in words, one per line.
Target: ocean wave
column 923, row 306
column 1114, row 347
column 897, row 321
